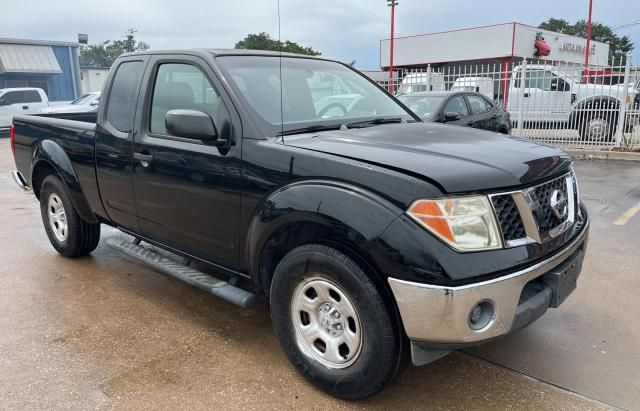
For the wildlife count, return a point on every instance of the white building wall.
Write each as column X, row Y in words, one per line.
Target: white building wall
column 486, row 43
column 569, row 49
column 92, row 79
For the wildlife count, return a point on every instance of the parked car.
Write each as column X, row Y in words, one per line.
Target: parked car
column 460, row 109
column 24, row 100
column 416, row 82
column 371, row 235
column 482, row 85
column 553, row 97
column 86, row 103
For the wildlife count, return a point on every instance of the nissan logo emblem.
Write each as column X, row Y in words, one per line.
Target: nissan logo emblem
column 559, row 204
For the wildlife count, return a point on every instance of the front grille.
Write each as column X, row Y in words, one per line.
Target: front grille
column 509, row 218
column 543, row 213
column 527, row 215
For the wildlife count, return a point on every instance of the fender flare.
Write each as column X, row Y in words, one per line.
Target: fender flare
column 49, row 153
column 589, row 101
column 361, row 215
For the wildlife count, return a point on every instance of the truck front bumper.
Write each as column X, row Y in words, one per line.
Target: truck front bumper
column 443, row 318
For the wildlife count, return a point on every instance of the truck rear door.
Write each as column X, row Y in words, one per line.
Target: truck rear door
column 114, row 139
column 187, row 192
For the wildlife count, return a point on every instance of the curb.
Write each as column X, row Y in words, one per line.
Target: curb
column 586, row 154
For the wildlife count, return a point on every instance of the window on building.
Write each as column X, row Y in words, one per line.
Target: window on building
column 181, row 86
column 27, row 83
column 122, row 96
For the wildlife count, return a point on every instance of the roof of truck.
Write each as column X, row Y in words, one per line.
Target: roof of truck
column 225, row 52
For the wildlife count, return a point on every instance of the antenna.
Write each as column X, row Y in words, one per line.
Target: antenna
column 281, row 82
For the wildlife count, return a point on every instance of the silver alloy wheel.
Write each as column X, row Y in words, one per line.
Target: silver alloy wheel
column 57, row 217
column 326, row 322
column 597, row 129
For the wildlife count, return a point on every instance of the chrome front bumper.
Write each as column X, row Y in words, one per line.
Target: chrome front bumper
column 440, row 314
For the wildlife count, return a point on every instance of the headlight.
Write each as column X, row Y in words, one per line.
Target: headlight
column 465, row 223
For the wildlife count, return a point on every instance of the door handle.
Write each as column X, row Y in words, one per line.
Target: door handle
column 25, row 107
column 526, row 94
column 144, row 159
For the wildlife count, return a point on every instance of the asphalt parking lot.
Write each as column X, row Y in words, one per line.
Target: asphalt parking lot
column 105, row 332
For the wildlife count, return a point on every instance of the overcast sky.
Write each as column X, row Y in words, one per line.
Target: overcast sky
column 341, row 29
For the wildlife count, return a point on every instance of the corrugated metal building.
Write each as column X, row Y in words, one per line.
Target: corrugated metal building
column 50, row 65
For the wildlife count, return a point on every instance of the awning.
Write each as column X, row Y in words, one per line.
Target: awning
column 23, row 58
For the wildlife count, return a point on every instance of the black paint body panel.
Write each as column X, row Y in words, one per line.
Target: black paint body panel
column 223, row 204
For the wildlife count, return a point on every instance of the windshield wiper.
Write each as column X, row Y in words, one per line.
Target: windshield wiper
column 376, row 121
column 312, row 129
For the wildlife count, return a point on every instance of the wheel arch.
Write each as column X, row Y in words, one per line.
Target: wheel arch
column 50, row 159
column 590, row 104
column 326, row 212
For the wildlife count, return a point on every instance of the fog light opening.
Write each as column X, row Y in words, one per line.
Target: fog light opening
column 481, row 315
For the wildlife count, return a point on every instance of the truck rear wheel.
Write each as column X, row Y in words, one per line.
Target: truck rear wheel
column 598, row 127
column 68, row 233
column 333, row 323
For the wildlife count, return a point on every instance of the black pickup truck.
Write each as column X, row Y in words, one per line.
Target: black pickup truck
column 372, row 235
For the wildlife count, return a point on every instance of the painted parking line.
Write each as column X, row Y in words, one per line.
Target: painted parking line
column 628, row 215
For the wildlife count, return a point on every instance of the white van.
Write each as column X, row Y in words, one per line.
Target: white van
column 482, row 85
column 427, row 81
column 25, row 100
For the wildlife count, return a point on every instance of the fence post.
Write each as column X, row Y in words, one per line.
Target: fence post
column 523, row 71
column 623, row 106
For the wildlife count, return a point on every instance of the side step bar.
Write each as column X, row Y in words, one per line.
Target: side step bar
column 182, row 272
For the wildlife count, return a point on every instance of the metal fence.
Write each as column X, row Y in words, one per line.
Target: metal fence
column 564, row 104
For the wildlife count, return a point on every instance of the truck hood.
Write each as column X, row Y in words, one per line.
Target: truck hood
column 457, row 159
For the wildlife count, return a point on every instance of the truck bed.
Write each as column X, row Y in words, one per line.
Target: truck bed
column 73, row 132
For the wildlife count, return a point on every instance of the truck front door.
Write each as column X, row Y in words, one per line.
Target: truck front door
column 187, row 192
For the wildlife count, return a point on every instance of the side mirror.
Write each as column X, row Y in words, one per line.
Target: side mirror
column 451, row 116
column 554, row 84
column 3, row 102
column 192, row 124
column 94, row 103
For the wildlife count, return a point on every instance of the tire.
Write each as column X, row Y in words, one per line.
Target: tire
column 68, row 233
column 598, row 127
column 374, row 354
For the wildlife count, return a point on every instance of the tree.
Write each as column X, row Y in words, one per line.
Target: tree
column 105, row 53
column 263, row 41
column 618, row 45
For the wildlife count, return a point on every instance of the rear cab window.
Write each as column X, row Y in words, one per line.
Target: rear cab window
column 123, row 95
column 21, row 97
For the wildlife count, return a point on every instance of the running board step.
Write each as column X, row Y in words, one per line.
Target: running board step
column 182, row 272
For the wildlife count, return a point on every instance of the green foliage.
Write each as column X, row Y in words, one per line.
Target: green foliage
column 105, row 53
column 618, row 45
column 263, row 41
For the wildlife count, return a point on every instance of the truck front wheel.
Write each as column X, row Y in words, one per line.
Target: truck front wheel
column 67, row 232
column 598, row 127
column 333, row 323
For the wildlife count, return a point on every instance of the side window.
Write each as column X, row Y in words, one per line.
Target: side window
column 11, row 97
column 457, row 105
column 122, row 98
column 477, row 103
column 32, row 96
column 539, row 79
column 181, row 86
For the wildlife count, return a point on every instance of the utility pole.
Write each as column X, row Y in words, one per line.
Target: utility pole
column 392, row 4
column 586, row 53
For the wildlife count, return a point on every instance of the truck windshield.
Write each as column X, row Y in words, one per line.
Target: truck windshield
column 312, row 92
column 82, row 99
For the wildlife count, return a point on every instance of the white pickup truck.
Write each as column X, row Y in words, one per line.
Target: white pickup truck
column 24, row 100
column 553, row 98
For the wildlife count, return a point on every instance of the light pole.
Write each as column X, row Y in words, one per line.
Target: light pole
column 392, row 4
